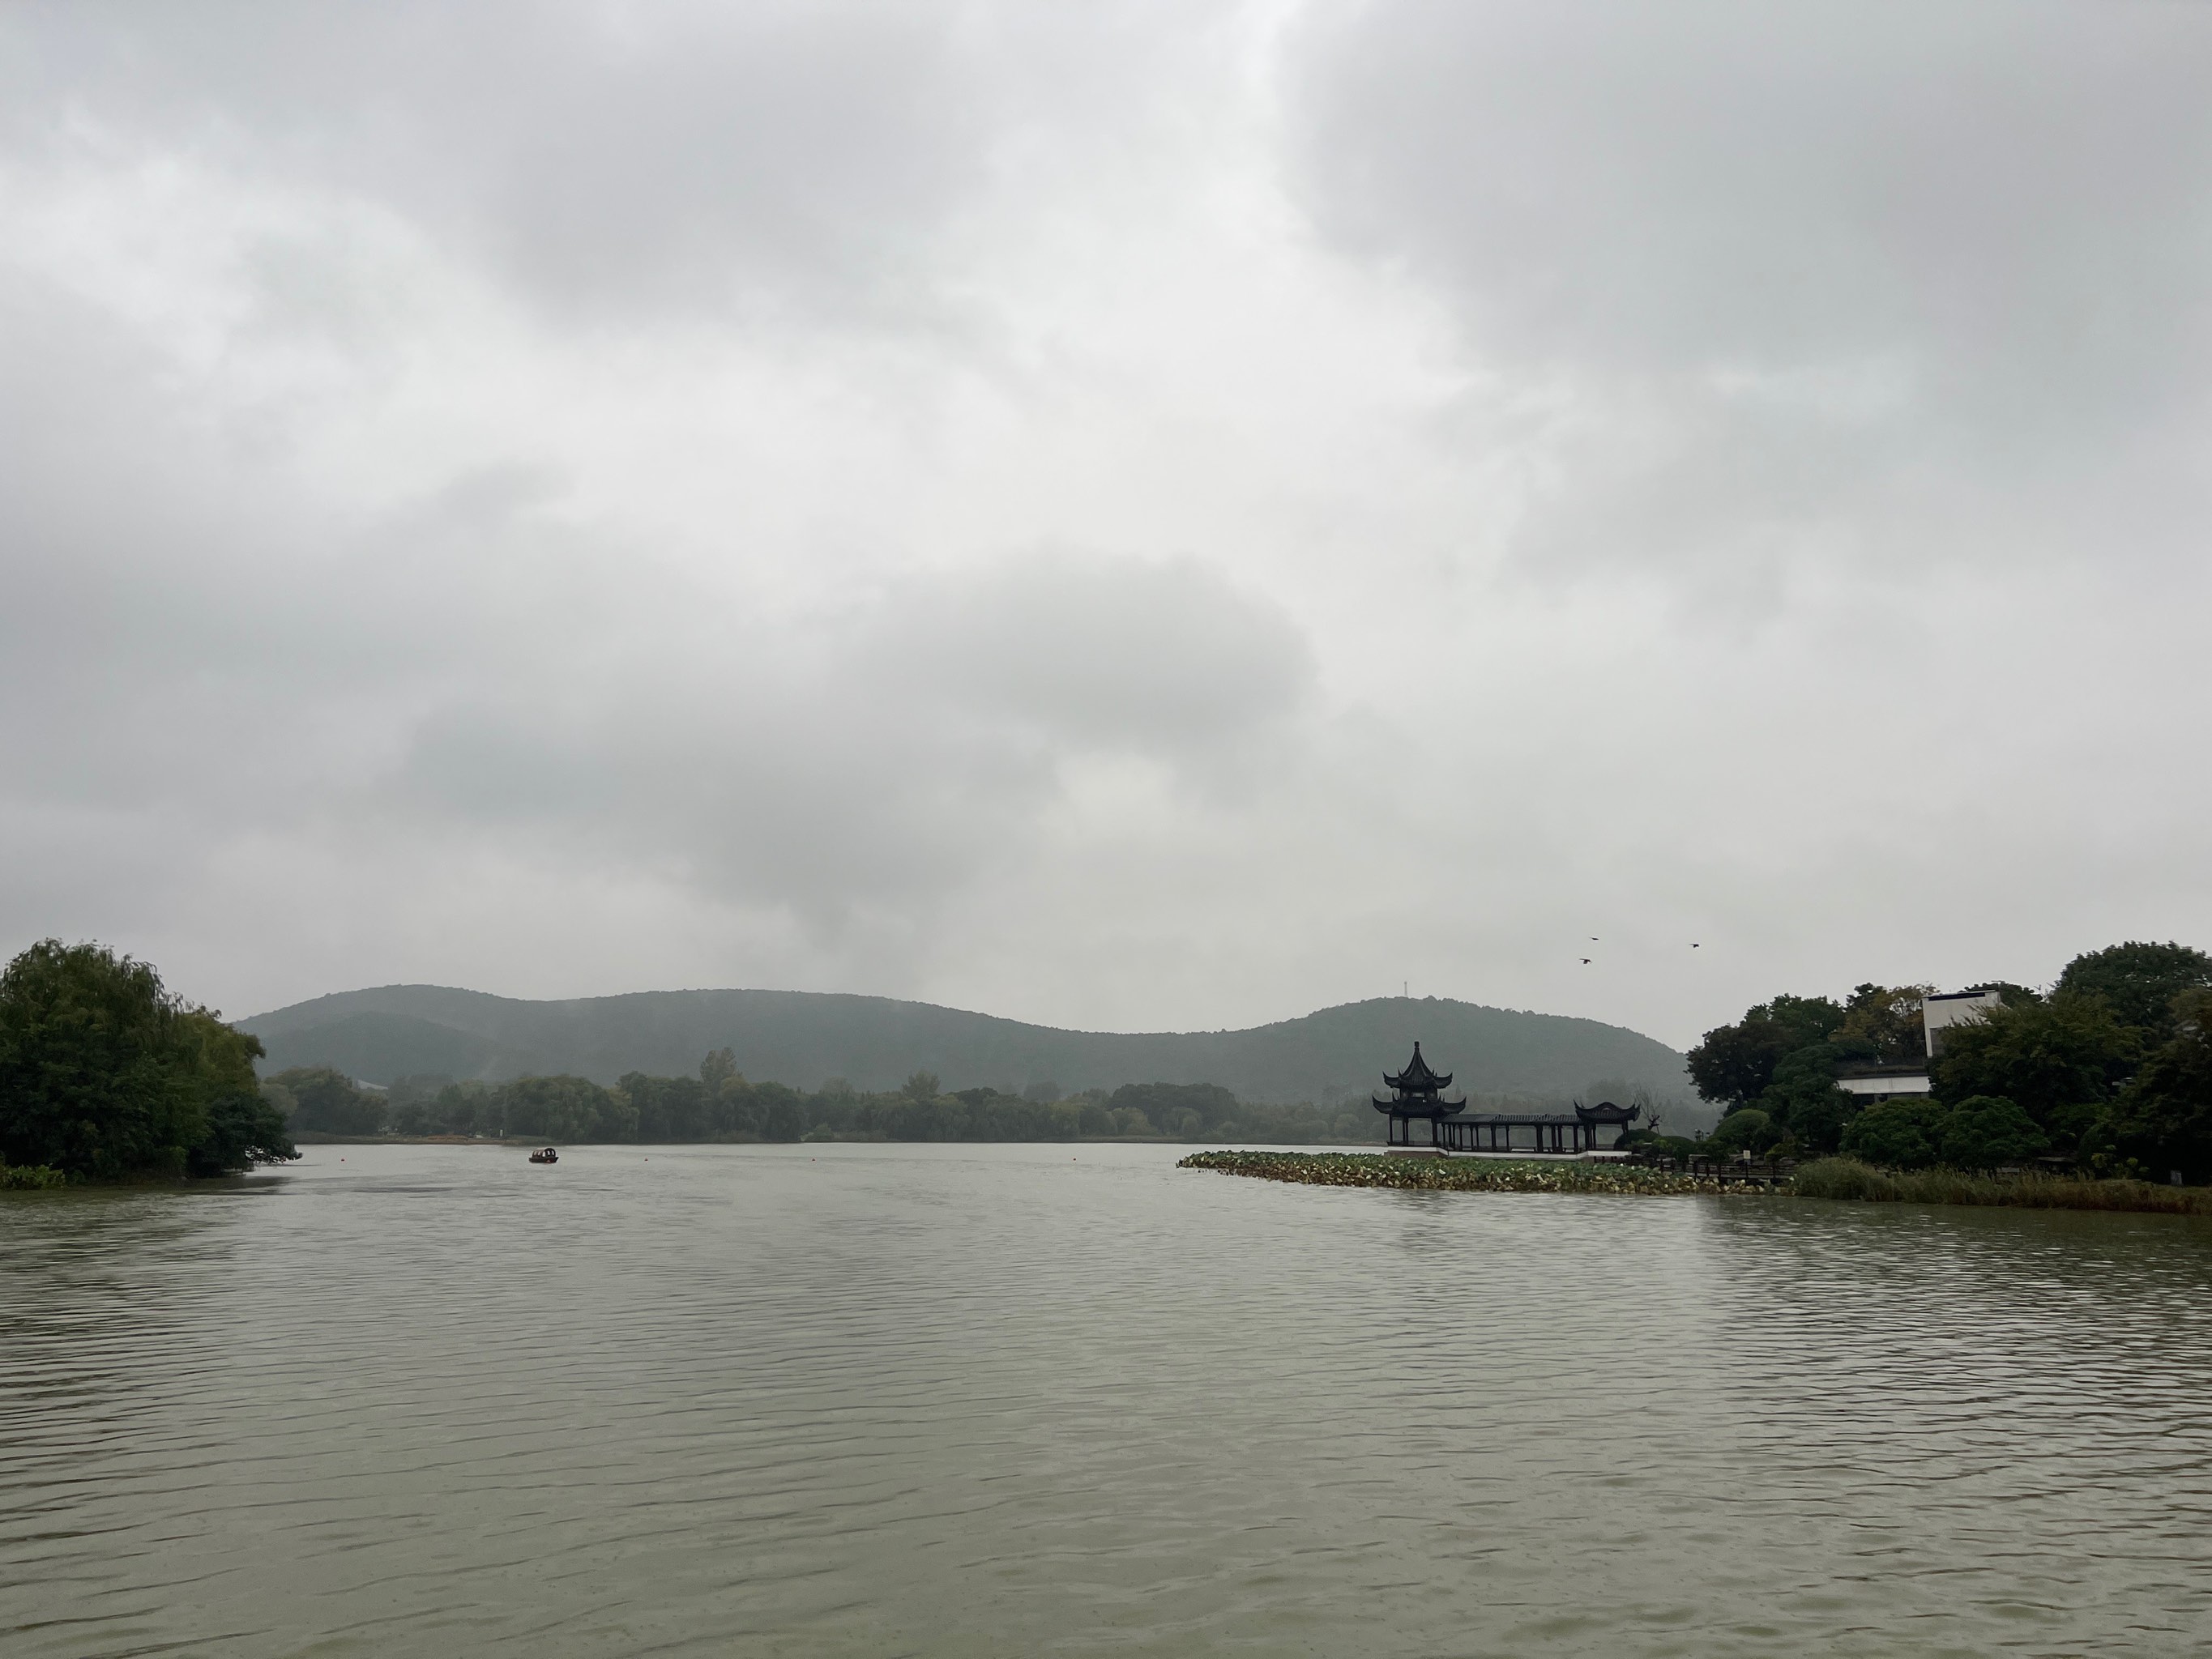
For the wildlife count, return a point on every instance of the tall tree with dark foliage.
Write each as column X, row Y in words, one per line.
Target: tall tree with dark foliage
column 105, row 1074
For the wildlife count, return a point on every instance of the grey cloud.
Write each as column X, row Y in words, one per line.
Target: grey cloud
column 888, row 753
column 792, row 160
column 596, row 155
column 1987, row 185
column 359, row 623
column 1886, row 264
column 1087, row 651
column 202, row 668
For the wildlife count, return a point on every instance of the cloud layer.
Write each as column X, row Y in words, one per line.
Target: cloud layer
column 1161, row 520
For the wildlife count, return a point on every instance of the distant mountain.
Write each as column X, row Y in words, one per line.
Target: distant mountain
column 805, row 1037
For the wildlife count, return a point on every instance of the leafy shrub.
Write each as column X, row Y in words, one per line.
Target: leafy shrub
column 1749, row 1130
column 1842, row 1178
column 1903, row 1134
column 1986, row 1132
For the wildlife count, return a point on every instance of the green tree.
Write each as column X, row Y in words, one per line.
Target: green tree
column 717, row 1068
column 1901, row 1134
column 1165, row 1102
column 2139, row 982
column 565, row 1108
column 1804, row 1101
column 410, row 1104
column 2163, row 1119
column 2061, row 1061
column 470, row 1108
column 1986, row 1131
column 326, row 1101
column 1888, row 1021
column 781, row 1111
column 241, row 1128
column 103, row 1073
column 732, row 1109
column 1745, row 1130
column 1733, row 1064
column 670, row 1109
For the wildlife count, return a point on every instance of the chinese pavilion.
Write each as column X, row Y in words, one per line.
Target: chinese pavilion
column 1416, row 1094
column 1416, row 1097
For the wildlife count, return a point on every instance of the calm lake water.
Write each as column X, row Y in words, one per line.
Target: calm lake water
column 1034, row 1400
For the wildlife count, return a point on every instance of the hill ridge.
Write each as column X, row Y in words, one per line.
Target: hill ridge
column 806, row 1037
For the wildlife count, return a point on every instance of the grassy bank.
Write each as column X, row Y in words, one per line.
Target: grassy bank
column 30, row 1178
column 1458, row 1174
column 1847, row 1178
column 1833, row 1177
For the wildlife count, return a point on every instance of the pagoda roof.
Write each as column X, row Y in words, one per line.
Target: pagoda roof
column 1606, row 1112
column 1417, row 1078
column 1405, row 1104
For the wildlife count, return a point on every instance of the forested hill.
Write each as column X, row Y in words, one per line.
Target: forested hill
column 803, row 1038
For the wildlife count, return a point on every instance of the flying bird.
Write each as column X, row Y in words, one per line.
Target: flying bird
column 1586, row 962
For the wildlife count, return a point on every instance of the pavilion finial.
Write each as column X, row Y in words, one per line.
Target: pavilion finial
column 1419, row 1079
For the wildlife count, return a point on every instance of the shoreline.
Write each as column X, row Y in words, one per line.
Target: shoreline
column 1838, row 1180
column 317, row 1138
column 1441, row 1174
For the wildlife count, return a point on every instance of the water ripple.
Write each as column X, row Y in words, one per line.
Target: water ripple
column 974, row 1401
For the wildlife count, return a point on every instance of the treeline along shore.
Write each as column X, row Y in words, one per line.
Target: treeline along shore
column 107, row 1075
column 2093, row 1094
column 2090, row 1094
column 720, row 1104
column 2107, row 1072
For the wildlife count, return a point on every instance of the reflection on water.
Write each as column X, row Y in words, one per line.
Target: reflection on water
column 985, row 1400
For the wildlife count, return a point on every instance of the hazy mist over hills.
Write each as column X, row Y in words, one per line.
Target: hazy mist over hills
column 805, row 1038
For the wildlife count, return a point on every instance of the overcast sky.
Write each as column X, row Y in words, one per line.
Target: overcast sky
column 1155, row 515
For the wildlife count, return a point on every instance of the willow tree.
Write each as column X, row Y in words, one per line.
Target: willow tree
column 106, row 1075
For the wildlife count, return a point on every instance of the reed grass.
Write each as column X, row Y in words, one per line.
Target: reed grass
column 1849, row 1179
column 30, row 1178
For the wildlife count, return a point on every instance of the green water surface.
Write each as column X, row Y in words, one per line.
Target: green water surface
column 961, row 1401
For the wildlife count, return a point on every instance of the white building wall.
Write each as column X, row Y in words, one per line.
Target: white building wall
column 1947, row 1008
column 1868, row 1090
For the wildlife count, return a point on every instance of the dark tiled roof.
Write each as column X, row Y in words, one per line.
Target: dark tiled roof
column 1606, row 1112
column 1417, row 1078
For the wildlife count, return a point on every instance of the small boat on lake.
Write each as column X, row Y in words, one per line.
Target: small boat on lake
column 545, row 1155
